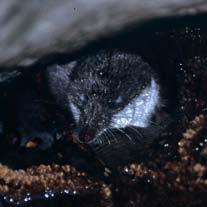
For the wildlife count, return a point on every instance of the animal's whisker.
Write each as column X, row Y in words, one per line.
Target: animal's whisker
column 155, row 124
column 125, row 134
column 136, row 130
column 104, row 138
column 107, row 137
column 107, row 148
column 99, row 140
column 151, row 122
column 111, row 132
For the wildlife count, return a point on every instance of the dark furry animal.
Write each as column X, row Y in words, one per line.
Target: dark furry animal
column 111, row 100
column 111, row 94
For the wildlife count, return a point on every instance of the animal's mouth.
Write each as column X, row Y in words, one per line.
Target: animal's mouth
column 85, row 135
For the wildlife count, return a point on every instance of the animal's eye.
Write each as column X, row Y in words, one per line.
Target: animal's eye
column 115, row 103
column 119, row 100
column 82, row 98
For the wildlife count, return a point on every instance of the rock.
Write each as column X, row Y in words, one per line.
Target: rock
column 30, row 30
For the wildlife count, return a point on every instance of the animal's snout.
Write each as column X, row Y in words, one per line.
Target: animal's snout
column 86, row 134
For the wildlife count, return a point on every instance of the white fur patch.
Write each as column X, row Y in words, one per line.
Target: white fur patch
column 140, row 110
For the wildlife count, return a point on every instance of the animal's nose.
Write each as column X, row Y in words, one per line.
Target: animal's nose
column 86, row 134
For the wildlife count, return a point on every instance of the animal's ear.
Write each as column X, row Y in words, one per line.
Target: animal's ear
column 68, row 68
column 62, row 70
column 58, row 78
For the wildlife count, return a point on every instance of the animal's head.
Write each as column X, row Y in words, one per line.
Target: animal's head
column 109, row 89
